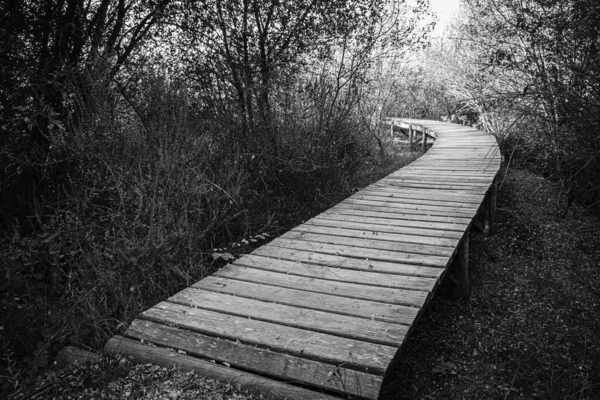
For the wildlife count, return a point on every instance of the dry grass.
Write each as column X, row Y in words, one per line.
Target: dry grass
column 98, row 301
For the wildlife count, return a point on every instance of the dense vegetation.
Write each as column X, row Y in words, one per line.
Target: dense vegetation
column 529, row 71
column 144, row 142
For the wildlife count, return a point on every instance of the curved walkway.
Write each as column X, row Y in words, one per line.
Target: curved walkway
column 322, row 311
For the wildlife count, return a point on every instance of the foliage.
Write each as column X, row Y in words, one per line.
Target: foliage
column 528, row 71
column 145, row 143
column 56, row 54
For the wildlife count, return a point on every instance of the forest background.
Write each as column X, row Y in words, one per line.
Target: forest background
column 143, row 143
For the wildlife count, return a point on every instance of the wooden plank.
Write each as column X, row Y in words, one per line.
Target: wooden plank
column 405, row 297
column 394, row 214
column 392, row 313
column 441, row 173
column 426, row 175
column 376, row 244
column 403, row 212
column 376, row 234
column 336, row 274
column 457, row 167
column 464, row 163
column 392, row 197
column 353, row 354
column 260, row 361
column 362, row 329
column 266, row 388
column 421, row 195
column 458, row 182
column 426, row 192
column 429, row 229
column 347, row 262
column 479, row 190
column 416, row 208
column 396, row 193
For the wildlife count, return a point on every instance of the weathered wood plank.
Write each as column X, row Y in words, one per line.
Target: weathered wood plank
column 267, row 388
column 405, row 297
column 426, row 193
column 391, row 197
column 359, row 264
column 374, row 234
column 421, row 195
column 362, row 252
column 336, row 274
column 426, row 230
column 331, row 349
column 360, row 243
column 458, row 182
column 392, row 313
column 478, row 190
column 362, row 329
column 260, row 361
column 416, row 208
column 428, row 175
column 396, row 214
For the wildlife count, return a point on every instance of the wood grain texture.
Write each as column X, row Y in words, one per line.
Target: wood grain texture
column 410, row 296
column 365, row 277
column 365, row 330
column 327, row 247
column 269, row 389
column 263, row 362
column 397, row 314
column 332, row 349
column 338, row 261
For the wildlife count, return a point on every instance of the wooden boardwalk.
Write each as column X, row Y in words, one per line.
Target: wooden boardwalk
column 321, row 312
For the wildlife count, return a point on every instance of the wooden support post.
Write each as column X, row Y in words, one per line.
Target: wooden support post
column 392, row 128
column 411, row 135
column 424, row 141
column 490, row 209
column 460, row 266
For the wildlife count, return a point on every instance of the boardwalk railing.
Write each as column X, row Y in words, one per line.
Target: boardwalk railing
column 321, row 312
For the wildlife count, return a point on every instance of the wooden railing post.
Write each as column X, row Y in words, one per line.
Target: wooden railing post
column 490, row 209
column 424, row 141
column 411, row 134
column 392, row 128
column 460, row 266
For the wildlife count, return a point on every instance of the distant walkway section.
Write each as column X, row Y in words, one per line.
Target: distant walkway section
column 322, row 311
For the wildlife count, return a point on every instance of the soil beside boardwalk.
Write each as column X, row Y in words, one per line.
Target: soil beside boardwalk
column 531, row 328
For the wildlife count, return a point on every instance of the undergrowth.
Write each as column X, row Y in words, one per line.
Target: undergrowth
column 531, row 328
column 140, row 199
